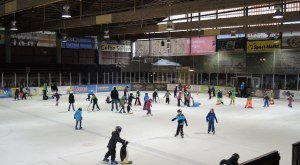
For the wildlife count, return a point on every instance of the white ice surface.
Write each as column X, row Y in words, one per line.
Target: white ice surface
column 36, row 132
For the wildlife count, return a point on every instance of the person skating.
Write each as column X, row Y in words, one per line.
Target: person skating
column 146, row 98
column 45, row 97
column 78, row 118
column 291, row 100
column 24, row 93
column 115, row 138
column 181, row 120
column 155, row 95
column 122, row 104
column 107, row 100
column 249, row 102
column 266, row 100
column 71, row 101
column 91, row 93
column 213, row 90
column 95, row 102
column 129, row 104
column 188, row 99
column 175, row 92
column 114, row 94
column 179, row 99
column 180, row 86
column 126, row 91
column 210, row 118
column 148, row 107
column 17, row 94
column 242, row 89
column 137, row 98
column 167, row 96
column 57, row 96
column 220, row 98
column 272, row 98
column 232, row 96
column 209, row 92
column 185, row 93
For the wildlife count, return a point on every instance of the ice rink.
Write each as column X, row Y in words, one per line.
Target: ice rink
column 36, row 132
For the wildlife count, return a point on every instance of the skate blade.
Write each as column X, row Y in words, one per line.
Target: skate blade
column 129, row 162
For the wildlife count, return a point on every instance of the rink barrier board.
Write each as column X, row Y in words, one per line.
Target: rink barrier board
column 284, row 94
column 199, row 88
column 296, row 154
column 148, row 87
column 271, row 158
column 5, row 93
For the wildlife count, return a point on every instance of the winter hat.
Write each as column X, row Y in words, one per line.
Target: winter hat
column 80, row 109
column 179, row 111
column 118, row 128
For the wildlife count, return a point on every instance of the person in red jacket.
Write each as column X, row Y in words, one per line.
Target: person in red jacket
column 148, row 107
column 179, row 98
column 125, row 91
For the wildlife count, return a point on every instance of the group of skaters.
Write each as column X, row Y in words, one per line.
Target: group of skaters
column 22, row 93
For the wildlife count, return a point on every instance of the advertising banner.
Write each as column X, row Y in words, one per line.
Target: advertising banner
column 203, row 45
column 290, row 40
column 79, row 43
column 142, row 48
column 180, row 46
column 263, row 36
column 115, row 48
column 263, row 46
column 284, row 94
column 231, row 44
column 5, row 93
column 83, row 88
column 109, row 87
column 157, row 49
column 33, row 39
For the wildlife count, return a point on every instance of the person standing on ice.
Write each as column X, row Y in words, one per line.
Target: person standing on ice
column 213, row 90
column 45, row 97
column 180, row 86
column 249, row 102
column 78, row 118
column 210, row 118
column 232, row 96
column 114, row 94
column 291, row 100
column 179, row 99
column 137, row 98
column 148, row 107
column 115, row 138
column 155, row 95
column 71, row 101
column 167, row 96
column 175, row 92
column 209, row 92
column 130, row 98
column 242, row 89
column 126, row 91
column 95, row 102
column 146, row 98
column 57, row 96
column 181, row 120
column 220, row 98
column 91, row 93
column 188, row 99
column 122, row 104
column 266, row 100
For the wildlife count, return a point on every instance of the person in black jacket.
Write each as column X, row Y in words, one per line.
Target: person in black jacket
column 115, row 138
column 114, row 94
column 95, row 102
column 155, row 95
column 130, row 98
column 71, row 101
column 233, row 160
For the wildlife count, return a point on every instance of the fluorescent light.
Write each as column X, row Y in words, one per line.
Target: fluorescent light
column 294, row 22
column 13, row 26
column 106, row 35
column 191, row 70
column 170, row 26
column 278, row 14
column 66, row 12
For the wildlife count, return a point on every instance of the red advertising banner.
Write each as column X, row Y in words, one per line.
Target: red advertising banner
column 203, row 45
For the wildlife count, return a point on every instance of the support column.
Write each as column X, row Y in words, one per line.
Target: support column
column 97, row 78
column 208, row 78
column 284, row 81
column 273, row 82
column 39, row 79
column 58, row 49
column 104, row 78
column 15, row 79
column 27, row 79
column 7, row 46
column 121, row 77
column 226, row 80
column 70, row 78
column 49, row 79
column 298, row 81
column 197, row 83
column 79, row 78
column 148, row 77
column 201, row 78
column 2, row 83
column 89, row 78
column 112, row 77
column 60, row 79
column 108, row 78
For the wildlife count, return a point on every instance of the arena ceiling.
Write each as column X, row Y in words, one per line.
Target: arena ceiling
column 132, row 19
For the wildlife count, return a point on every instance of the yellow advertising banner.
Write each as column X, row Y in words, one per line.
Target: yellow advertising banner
column 263, row 46
column 115, row 48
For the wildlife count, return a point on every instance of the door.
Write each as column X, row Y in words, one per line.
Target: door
column 255, row 82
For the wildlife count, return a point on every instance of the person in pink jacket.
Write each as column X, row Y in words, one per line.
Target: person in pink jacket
column 179, row 98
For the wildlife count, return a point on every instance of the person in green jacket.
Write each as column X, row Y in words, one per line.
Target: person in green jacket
column 45, row 97
column 122, row 104
column 232, row 95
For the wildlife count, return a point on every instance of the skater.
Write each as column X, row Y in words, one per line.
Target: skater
column 232, row 96
column 249, row 102
column 175, row 92
column 185, row 93
column 272, row 98
column 155, row 95
column 115, row 138
column 17, row 94
column 167, row 96
column 180, row 86
column 45, row 97
column 55, row 89
column 146, row 98
column 179, row 99
column 233, row 160
column 126, row 91
column 27, row 92
column 291, row 100
column 242, row 89
column 114, row 94
column 108, row 101
column 71, row 101
column 122, row 104
column 78, row 118
column 23, row 91
column 181, row 120
column 91, row 93
column 184, row 88
column 213, row 91
column 130, row 98
column 196, row 103
column 220, row 98
column 137, row 98
column 188, row 99
column 266, row 100
column 95, row 102
column 57, row 96
column 148, row 107
column 209, row 92
column 210, row 118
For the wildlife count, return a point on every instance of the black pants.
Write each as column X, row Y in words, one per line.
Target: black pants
column 128, row 107
column 178, row 104
column 154, row 99
column 144, row 108
column 44, row 95
column 188, row 103
column 175, row 94
column 184, row 101
column 179, row 129
column 111, row 152
column 78, row 121
column 137, row 100
column 168, row 100
column 243, row 93
column 72, row 106
column 209, row 95
column 95, row 103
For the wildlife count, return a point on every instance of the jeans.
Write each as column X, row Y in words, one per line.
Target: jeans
column 114, row 101
column 78, row 121
column 72, row 106
column 211, row 127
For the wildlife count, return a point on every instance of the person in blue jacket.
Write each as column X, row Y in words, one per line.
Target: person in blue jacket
column 181, row 120
column 78, row 118
column 210, row 118
column 146, row 98
column 91, row 93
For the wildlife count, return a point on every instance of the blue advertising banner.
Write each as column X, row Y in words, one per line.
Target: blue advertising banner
column 5, row 93
column 83, row 88
column 109, row 87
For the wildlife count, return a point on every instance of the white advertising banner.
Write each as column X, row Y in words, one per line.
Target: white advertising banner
column 284, row 94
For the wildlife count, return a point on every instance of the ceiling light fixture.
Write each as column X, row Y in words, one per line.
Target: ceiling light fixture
column 106, row 34
column 13, row 26
column 170, row 25
column 278, row 14
column 66, row 12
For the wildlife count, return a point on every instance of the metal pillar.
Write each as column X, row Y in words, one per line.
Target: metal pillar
column 2, row 83
column 121, row 77
column 70, row 78
column 89, row 78
column 15, row 79
column 148, row 77
column 297, row 81
column 208, row 78
column 262, row 80
column 226, row 79
column 39, row 79
column 112, row 77
column 197, row 78
column 273, row 82
column 79, row 78
column 60, row 79
column 27, row 79
column 108, row 78
column 284, row 81
column 97, row 78
column 129, row 77
column 49, row 79
column 201, row 78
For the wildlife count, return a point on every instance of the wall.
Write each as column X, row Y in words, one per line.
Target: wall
column 2, row 54
column 79, row 56
column 33, row 55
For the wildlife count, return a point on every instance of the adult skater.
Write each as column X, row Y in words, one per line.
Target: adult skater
column 249, row 102
column 167, row 96
column 146, row 98
column 232, row 96
column 91, row 93
column 291, row 100
column 148, row 107
column 175, row 92
column 115, row 138
column 188, row 99
column 209, row 92
column 213, row 90
column 210, row 118
column 137, row 98
column 179, row 99
column 180, row 86
column 130, row 98
column 17, row 94
column 122, row 104
column 23, row 93
column 95, row 102
column 114, row 94
column 266, row 100
column 45, row 97
column 78, row 118
column 220, row 98
column 185, row 93
column 57, row 96
column 181, row 120
column 126, row 91
column 233, row 160
column 55, row 89
column 242, row 89
column 71, row 101
column 154, row 96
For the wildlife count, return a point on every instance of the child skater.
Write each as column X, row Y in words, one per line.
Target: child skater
column 266, row 100
column 91, row 93
column 57, row 96
column 272, row 98
column 130, row 98
column 232, row 95
column 179, row 99
column 148, row 107
column 181, row 120
column 137, row 98
column 115, row 138
column 78, row 118
column 209, row 92
column 155, row 95
column 210, row 118
column 95, row 102
column 167, row 96
column 249, row 102
column 175, row 92
column 291, row 100
column 71, row 101
column 188, row 99
column 146, row 98
column 220, row 97
column 107, row 100
column 122, row 104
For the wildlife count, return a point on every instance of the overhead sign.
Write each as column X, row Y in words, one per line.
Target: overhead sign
column 115, row 48
column 203, row 45
column 291, row 40
column 263, row 46
column 263, row 36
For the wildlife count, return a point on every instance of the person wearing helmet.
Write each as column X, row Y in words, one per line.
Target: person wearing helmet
column 233, row 160
column 115, row 138
column 78, row 118
column 181, row 120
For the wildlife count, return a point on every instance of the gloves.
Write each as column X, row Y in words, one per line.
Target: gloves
column 173, row 119
column 187, row 125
